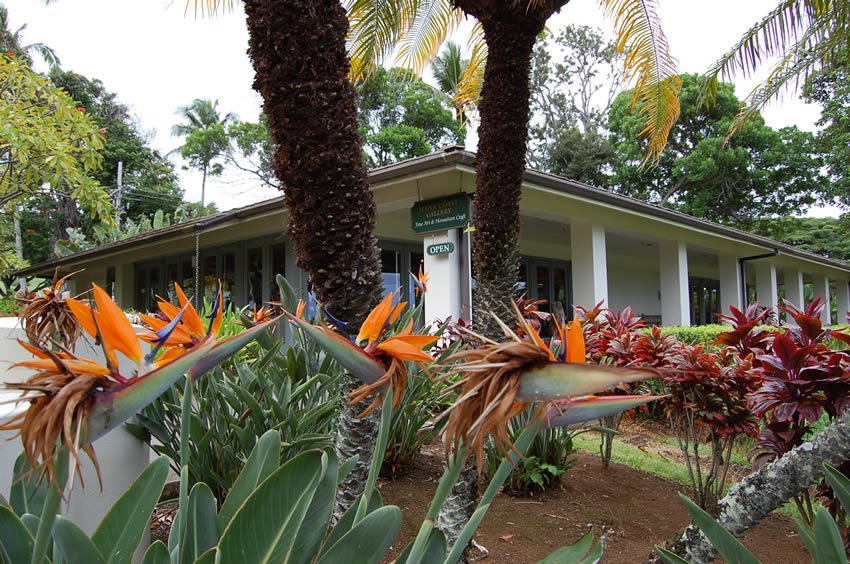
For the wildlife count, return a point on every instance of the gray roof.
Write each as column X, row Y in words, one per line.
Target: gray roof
column 453, row 156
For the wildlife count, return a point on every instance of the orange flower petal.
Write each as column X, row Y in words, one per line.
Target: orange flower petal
column 75, row 365
column 374, row 324
column 576, row 352
column 402, row 349
column 216, row 325
column 535, row 336
column 83, row 314
column 194, row 325
column 397, row 311
column 116, row 329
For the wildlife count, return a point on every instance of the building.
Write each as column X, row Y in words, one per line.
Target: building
column 579, row 245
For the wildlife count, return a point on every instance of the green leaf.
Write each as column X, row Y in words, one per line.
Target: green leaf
column 201, row 527
column 668, row 557
column 75, row 545
column 264, row 459
column 27, row 492
column 346, row 467
column 3, row 501
column 728, row 546
column 435, row 548
column 288, row 297
column 15, row 539
column 829, row 547
column 807, row 534
column 31, row 522
column 264, row 528
column 840, row 484
column 209, row 557
column 369, row 540
column 121, row 530
column 347, row 521
column 315, row 524
column 157, row 553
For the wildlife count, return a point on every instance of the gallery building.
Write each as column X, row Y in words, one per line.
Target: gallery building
column 579, row 245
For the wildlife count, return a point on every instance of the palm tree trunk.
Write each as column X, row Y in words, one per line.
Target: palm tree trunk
column 753, row 498
column 299, row 55
column 510, row 30
column 204, row 187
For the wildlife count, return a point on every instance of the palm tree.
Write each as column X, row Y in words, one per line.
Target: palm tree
column 206, row 136
column 11, row 42
column 804, row 35
column 299, row 55
column 449, row 70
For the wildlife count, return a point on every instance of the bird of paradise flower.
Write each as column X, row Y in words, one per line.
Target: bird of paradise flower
column 73, row 401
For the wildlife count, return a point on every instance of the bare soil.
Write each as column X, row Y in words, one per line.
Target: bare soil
column 633, row 510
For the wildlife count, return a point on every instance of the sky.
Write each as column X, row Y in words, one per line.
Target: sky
column 156, row 59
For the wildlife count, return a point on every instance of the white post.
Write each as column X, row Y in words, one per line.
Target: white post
column 730, row 282
column 842, row 300
column 794, row 287
column 444, row 270
column 589, row 263
column 675, row 295
column 820, row 285
column 793, row 290
column 767, row 292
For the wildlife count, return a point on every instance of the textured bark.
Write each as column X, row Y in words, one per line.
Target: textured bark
column 354, row 436
column 459, row 506
column 757, row 495
column 298, row 51
column 299, row 56
column 510, row 30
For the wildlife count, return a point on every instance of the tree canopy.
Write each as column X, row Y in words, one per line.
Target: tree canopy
column 402, row 117
column 761, row 172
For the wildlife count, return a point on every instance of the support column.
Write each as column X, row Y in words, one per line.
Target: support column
column 793, row 290
column 767, row 292
column 675, row 295
column 589, row 263
column 794, row 287
column 842, row 300
column 730, row 283
column 820, row 287
column 444, row 270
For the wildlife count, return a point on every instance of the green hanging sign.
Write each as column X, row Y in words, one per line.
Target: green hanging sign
column 449, row 212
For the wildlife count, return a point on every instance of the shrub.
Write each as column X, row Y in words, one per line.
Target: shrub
column 294, row 394
column 704, row 335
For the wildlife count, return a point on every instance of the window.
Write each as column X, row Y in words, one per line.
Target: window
column 278, row 266
column 705, row 300
column 254, row 259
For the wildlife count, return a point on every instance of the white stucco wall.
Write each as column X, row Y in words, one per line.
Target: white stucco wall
column 634, row 287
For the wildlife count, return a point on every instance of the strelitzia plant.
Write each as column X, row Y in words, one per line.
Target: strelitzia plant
column 501, row 380
column 377, row 354
column 79, row 400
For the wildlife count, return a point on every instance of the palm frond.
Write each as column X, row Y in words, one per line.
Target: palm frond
column 472, row 79
column 375, row 29
column 781, row 28
column 427, row 28
column 649, row 63
column 206, row 8
column 795, row 67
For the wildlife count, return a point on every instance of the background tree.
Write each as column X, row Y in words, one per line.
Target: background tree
column 402, row 117
column 450, row 68
column 762, row 172
column 12, row 42
column 205, row 137
column 576, row 74
column 826, row 236
column 831, row 89
column 252, row 150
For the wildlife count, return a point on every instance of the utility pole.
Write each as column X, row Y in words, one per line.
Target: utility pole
column 19, row 246
column 119, row 191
